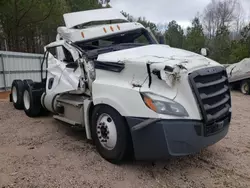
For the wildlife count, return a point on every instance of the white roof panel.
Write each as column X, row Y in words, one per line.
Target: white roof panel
column 83, row 17
column 77, row 35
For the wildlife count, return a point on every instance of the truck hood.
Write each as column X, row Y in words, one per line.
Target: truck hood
column 158, row 68
column 156, row 53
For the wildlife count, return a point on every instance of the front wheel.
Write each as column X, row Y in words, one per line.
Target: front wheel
column 111, row 134
column 245, row 87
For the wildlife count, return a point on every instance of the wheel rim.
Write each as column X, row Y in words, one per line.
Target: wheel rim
column 106, row 131
column 245, row 88
column 26, row 99
column 14, row 94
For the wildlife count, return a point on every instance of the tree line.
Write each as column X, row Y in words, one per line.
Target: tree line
column 28, row 25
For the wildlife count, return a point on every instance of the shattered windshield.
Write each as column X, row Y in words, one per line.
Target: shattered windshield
column 130, row 39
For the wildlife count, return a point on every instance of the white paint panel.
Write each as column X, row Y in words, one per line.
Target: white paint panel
column 83, row 17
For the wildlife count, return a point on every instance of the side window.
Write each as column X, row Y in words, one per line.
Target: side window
column 68, row 58
column 141, row 39
column 61, row 53
column 52, row 51
column 103, row 43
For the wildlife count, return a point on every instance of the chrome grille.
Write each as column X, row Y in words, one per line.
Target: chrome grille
column 211, row 88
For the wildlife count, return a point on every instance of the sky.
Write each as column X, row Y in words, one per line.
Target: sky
column 164, row 11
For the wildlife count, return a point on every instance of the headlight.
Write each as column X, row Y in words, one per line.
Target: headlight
column 163, row 105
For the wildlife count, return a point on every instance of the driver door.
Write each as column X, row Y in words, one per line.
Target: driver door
column 61, row 77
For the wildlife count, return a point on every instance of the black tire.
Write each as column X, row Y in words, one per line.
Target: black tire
column 245, row 87
column 123, row 146
column 32, row 105
column 28, row 81
column 17, row 94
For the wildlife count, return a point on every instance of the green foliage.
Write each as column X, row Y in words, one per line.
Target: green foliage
column 174, row 35
column 246, row 37
column 225, row 50
column 147, row 24
column 195, row 38
column 239, row 51
column 28, row 25
column 152, row 26
column 79, row 5
column 221, row 45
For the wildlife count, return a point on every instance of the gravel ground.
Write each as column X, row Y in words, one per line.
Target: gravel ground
column 45, row 153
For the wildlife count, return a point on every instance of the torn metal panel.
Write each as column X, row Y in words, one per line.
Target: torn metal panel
column 63, row 79
column 170, row 74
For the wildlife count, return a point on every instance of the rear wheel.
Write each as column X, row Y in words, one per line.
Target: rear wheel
column 111, row 134
column 17, row 94
column 32, row 104
column 245, row 87
column 28, row 81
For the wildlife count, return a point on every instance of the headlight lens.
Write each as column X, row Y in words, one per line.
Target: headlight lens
column 163, row 105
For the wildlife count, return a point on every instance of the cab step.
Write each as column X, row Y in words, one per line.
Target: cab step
column 63, row 119
column 73, row 100
column 71, row 109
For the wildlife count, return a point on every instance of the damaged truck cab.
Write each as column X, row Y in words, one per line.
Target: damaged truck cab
column 134, row 96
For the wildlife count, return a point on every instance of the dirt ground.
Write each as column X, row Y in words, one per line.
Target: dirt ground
column 45, row 153
column 4, row 95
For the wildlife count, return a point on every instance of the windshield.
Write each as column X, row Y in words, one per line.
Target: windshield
column 130, row 39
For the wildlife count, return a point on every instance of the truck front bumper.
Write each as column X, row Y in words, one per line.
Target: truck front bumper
column 165, row 138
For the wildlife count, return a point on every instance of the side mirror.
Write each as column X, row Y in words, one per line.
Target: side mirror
column 204, row 52
column 162, row 39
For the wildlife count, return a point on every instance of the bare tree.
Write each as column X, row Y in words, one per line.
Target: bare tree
column 220, row 13
column 239, row 21
column 210, row 18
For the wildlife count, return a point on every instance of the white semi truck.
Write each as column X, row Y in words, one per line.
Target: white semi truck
column 134, row 96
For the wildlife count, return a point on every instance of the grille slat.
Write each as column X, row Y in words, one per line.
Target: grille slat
column 211, row 88
column 210, row 107
column 218, row 114
column 220, row 92
column 201, row 85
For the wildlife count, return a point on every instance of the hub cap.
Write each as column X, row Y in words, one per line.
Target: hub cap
column 106, row 131
column 14, row 94
column 26, row 99
column 245, row 88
